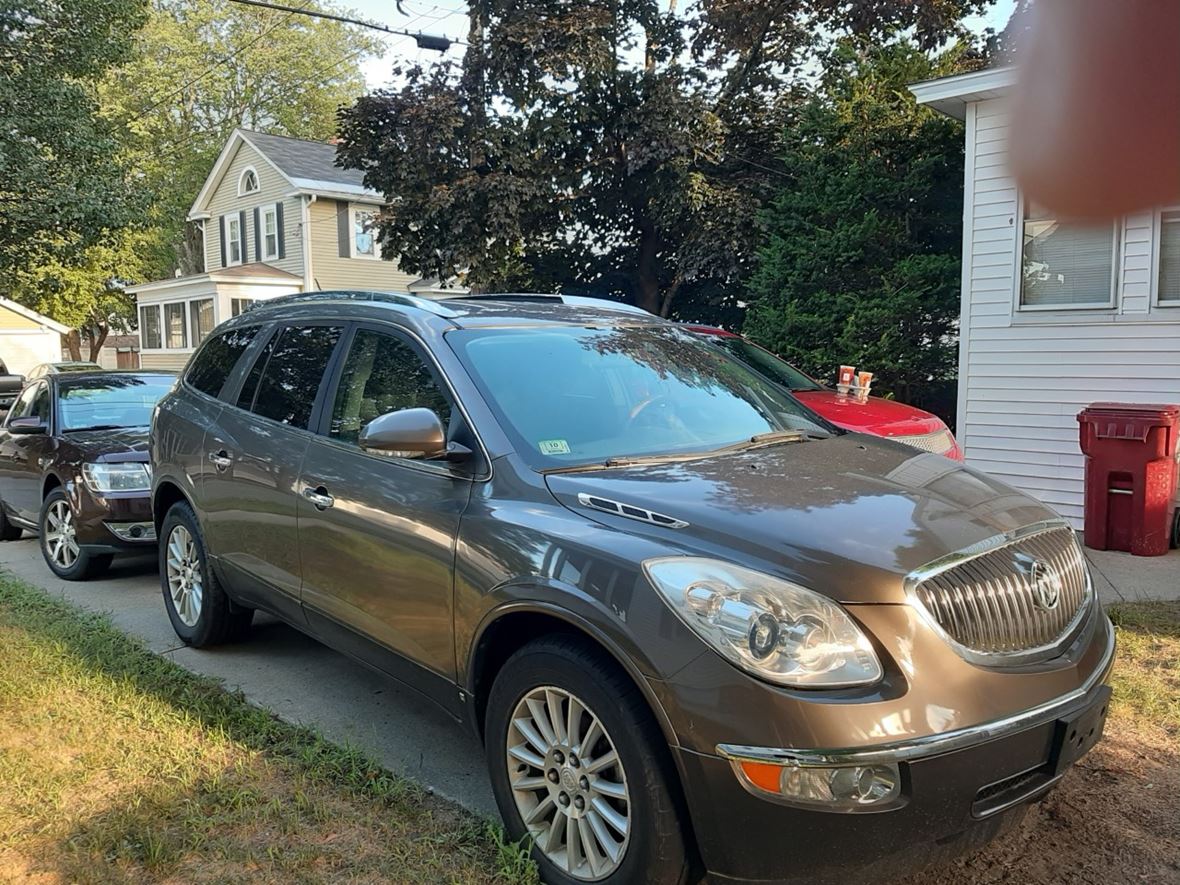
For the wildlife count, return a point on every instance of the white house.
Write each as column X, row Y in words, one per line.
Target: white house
column 1055, row 315
column 27, row 338
column 278, row 217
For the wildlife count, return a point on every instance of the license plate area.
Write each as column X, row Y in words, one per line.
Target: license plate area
column 1076, row 735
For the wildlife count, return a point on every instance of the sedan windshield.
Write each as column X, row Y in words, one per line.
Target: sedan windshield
column 575, row 395
column 109, row 401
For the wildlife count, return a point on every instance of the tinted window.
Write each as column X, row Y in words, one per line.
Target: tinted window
column 40, row 407
column 20, row 408
column 108, row 402
column 294, row 365
column 212, row 366
column 765, row 362
column 382, row 374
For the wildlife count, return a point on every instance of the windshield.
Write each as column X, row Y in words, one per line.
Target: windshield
column 574, row 395
column 109, row 401
column 765, row 362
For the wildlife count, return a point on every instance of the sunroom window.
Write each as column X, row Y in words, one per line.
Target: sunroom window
column 1066, row 263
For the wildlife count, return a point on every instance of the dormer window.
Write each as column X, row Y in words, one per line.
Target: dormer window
column 248, row 184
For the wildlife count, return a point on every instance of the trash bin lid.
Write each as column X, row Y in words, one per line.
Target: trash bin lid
column 1159, row 411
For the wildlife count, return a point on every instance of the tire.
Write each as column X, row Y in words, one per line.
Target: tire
column 59, row 543
column 201, row 612
column 8, row 531
column 564, row 668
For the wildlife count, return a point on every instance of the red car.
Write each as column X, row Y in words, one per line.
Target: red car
column 881, row 417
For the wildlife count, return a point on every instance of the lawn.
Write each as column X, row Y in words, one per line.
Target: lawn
column 119, row 766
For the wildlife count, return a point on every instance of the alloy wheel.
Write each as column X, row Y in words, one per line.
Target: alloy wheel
column 61, row 535
column 184, row 575
column 568, row 783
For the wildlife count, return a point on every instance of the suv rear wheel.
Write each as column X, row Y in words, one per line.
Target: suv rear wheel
column 578, row 768
column 201, row 612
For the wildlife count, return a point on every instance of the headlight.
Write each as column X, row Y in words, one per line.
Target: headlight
column 769, row 627
column 132, row 476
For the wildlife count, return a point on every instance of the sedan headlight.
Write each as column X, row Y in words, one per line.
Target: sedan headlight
column 131, row 476
column 769, row 627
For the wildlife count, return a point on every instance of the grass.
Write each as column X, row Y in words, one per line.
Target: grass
column 119, row 766
column 1146, row 677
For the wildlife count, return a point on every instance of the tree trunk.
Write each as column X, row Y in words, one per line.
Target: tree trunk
column 98, row 337
column 73, row 342
column 647, row 275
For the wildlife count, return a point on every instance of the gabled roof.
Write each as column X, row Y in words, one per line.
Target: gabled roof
column 308, row 166
column 951, row 94
column 30, row 314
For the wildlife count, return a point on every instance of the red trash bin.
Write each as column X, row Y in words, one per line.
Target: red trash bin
column 1131, row 475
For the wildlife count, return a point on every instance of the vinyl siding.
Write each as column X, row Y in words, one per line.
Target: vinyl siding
column 152, row 359
column 10, row 319
column 273, row 188
column 330, row 271
column 1024, row 375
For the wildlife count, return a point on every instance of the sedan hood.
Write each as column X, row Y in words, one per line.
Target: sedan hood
column 848, row 516
column 882, row 417
column 124, row 444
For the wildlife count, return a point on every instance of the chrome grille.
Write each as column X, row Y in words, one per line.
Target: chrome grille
column 940, row 442
column 1015, row 597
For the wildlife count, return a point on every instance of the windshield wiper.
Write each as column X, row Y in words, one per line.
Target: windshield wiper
column 758, row 441
column 99, row 427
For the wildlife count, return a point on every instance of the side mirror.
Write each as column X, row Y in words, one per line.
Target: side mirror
column 410, row 433
column 28, row 424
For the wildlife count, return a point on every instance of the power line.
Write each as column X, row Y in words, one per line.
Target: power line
column 424, row 41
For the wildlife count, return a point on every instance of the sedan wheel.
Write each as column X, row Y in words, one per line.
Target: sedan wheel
column 568, row 783
column 183, row 571
column 61, row 540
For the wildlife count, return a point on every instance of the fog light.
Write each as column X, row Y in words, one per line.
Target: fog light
column 844, row 788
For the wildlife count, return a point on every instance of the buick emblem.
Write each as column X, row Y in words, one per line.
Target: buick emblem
column 1043, row 580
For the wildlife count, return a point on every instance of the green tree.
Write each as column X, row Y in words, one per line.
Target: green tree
column 205, row 67
column 61, row 179
column 861, row 261
column 613, row 147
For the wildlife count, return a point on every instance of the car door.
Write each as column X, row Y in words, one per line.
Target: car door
column 377, row 532
column 255, row 450
column 23, row 455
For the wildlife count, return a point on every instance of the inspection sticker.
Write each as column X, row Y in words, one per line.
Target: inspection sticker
column 554, row 447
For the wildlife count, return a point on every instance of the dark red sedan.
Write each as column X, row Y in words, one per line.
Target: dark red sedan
column 880, row 417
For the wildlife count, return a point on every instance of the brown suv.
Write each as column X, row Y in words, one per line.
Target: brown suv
column 696, row 627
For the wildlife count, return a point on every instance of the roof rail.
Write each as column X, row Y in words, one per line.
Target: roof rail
column 541, row 298
column 360, row 295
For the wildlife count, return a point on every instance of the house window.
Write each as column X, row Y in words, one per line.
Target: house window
column 233, row 239
column 270, row 233
column 240, row 305
column 1066, row 264
column 1169, row 291
column 175, row 333
column 201, row 316
column 364, row 224
column 149, row 327
column 248, row 183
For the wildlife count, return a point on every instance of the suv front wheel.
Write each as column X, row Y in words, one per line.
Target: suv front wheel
column 578, row 769
column 201, row 612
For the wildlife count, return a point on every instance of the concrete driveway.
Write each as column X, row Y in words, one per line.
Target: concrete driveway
column 286, row 672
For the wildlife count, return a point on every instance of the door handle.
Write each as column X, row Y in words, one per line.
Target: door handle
column 220, row 459
column 319, row 497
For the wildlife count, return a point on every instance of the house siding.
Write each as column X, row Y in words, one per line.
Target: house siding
column 1024, row 376
column 154, row 359
column 273, row 188
column 330, row 271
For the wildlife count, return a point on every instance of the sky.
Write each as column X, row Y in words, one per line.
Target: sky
column 448, row 18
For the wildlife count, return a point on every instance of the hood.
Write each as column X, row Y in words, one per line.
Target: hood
column 848, row 516
column 882, row 417
column 126, row 444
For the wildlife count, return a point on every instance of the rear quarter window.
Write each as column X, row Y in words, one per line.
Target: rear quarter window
column 214, row 364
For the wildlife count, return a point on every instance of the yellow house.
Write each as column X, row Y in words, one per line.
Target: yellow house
column 278, row 217
column 27, row 338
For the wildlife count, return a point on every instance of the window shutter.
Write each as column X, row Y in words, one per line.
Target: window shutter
column 279, row 229
column 1169, row 286
column 257, row 234
column 343, row 230
column 222, row 225
column 242, row 233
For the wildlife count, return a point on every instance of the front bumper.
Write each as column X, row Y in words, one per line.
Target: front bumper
column 960, row 789
column 113, row 522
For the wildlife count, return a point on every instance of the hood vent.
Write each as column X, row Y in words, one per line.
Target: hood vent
column 629, row 511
